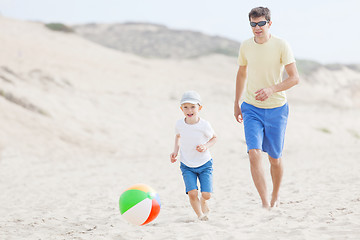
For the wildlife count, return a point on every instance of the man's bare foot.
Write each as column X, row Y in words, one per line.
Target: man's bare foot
column 266, row 206
column 204, row 206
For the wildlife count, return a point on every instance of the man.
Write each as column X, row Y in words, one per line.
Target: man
column 264, row 110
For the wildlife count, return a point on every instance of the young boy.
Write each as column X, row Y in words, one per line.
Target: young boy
column 194, row 137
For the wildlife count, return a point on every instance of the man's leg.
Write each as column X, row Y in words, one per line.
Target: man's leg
column 257, row 173
column 276, row 171
column 273, row 144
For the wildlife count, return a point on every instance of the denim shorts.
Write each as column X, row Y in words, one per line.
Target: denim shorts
column 265, row 128
column 203, row 173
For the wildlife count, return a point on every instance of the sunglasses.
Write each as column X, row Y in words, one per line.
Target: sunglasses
column 260, row 24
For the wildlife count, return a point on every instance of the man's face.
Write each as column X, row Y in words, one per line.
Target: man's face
column 260, row 31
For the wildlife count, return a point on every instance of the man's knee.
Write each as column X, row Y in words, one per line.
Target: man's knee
column 254, row 156
column 275, row 161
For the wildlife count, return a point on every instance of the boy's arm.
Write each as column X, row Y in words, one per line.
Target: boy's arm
column 209, row 144
column 240, row 83
column 174, row 154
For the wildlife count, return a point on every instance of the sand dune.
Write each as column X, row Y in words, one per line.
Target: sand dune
column 80, row 123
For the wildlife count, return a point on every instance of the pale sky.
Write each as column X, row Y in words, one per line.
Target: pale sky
column 322, row 30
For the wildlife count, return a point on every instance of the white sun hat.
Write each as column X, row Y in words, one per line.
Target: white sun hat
column 190, row 97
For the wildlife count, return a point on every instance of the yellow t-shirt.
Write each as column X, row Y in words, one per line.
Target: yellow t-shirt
column 265, row 65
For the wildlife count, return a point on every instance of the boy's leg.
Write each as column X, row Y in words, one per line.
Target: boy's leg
column 190, row 180
column 203, row 202
column 206, row 185
column 195, row 202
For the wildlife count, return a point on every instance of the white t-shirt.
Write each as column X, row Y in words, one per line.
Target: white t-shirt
column 192, row 135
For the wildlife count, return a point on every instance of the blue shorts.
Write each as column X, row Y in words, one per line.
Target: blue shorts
column 265, row 128
column 204, row 173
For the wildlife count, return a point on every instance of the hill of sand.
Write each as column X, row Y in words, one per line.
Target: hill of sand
column 156, row 41
column 81, row 122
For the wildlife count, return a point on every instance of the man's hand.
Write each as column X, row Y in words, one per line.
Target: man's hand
column 263, row 94
column 238, row 113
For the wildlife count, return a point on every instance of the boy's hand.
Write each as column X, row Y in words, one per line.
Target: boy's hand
column 173, row 157
column 201, row 148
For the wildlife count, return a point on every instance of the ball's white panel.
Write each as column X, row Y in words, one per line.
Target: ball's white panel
column 138, row 214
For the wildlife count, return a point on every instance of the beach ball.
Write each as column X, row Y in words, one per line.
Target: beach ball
column 139, row 204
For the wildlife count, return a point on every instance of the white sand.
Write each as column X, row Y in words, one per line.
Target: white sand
column 110, row 124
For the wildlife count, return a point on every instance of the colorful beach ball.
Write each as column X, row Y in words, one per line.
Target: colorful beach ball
column 139, row 204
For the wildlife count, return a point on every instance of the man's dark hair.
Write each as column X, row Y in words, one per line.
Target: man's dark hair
column 260, row 12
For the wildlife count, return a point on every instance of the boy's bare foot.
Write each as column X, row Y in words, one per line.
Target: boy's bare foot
column 275, row 201
column 203, row 218
column 204, row 206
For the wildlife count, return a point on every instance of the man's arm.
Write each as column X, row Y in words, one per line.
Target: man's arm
column 289, row 82
column 240, row 83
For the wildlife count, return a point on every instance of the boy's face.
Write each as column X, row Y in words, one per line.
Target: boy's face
column 190, row 110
